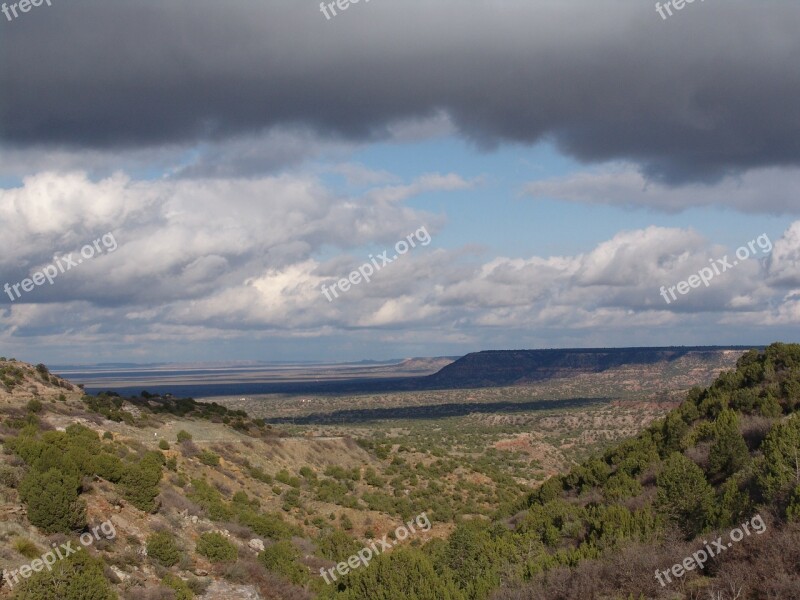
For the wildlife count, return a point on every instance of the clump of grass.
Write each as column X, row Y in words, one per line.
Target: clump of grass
column 27, row 548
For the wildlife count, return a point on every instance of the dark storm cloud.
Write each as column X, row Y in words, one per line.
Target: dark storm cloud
column 713, row 90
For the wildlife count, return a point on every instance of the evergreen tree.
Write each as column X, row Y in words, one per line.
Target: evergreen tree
column 729, row 452
column 684, row 495
column 472, row 560
column 52, row 499
column 672, row 432
column 140, row 481
column 781, row 450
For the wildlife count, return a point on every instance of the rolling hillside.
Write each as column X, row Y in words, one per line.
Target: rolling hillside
column 206, row 502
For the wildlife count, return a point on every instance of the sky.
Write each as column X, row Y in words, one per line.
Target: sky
column 182, row 181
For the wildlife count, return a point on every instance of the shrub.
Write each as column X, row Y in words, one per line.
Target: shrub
column 216, row 547
column 77, row 577
column 282, row 558
column 291, row 499
column 109, row 466
column 373, row 479
column 331, row 491
column 184, row 436
column 242, row 500
column 210, row 499
column 336, row 545
column 259, row 475
column 109, row 406
column 34, row 406
column 286, row 478
column 52, row 500
column 382, row 451
column 209, row 458
column 163, row 444
column 266, row 524
column 620, row 486
column 181, row 589
column 162, row 549
column 405, row 573
column 141, row 479
column 8, row 477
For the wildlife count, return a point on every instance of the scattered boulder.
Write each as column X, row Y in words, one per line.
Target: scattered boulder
column 223, row 589
column 119, row 573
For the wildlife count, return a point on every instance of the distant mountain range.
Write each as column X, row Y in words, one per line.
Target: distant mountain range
column 491, row 368
column 516, row 367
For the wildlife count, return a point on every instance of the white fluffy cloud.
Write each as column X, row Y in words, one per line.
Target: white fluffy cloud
column 785, row 260
column 240, row 258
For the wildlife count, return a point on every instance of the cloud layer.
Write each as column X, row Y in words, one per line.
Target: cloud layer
column 220, row 143
column 246, row 258
column 769, row 190
column 604, row 80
